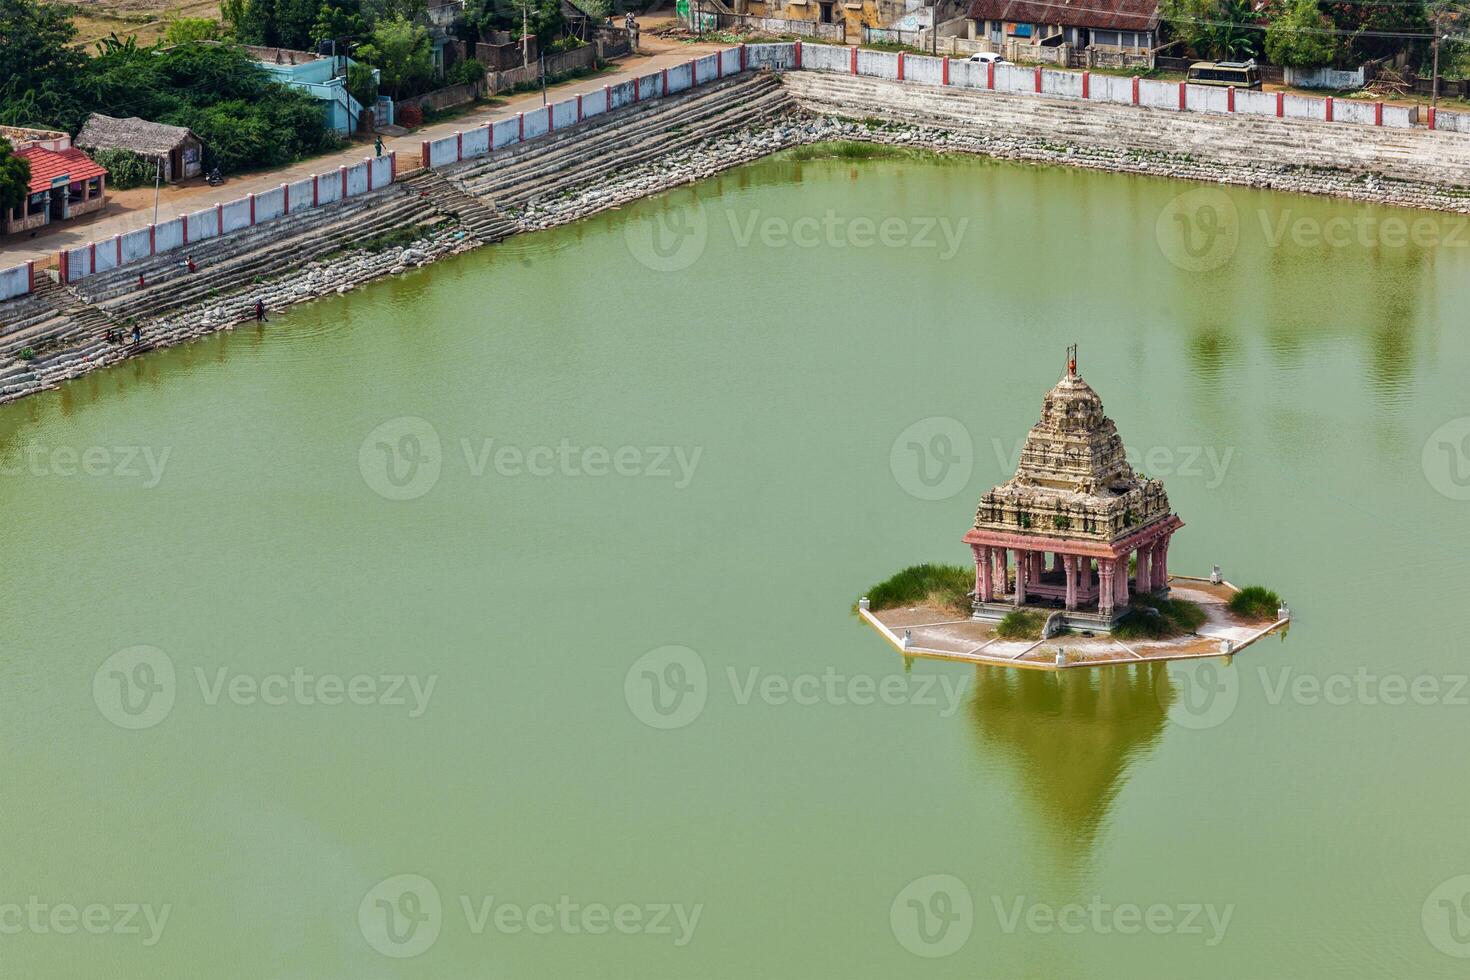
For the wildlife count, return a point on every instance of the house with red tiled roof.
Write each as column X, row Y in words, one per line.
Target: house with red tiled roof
column 1102, row 25
column 65, row 182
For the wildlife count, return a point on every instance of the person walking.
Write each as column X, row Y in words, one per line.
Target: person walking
column 259, row 311
column 378, row 145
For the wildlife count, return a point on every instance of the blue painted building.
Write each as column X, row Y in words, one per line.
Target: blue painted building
column 325, row 77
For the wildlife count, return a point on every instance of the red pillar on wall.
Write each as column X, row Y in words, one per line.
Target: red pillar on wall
column 91, row 257
column 343, row 172
column 1230, row 99
column 990, row 74
column 184, row 221
column 1183, row 95
column 719, row 64
column 550, row 123
column 798, row 54
column 219, row 219
column 458, row 145
column 63, row 267
column 117, row 249
column 521, row 119
column 579, row 108
column 1087, row 85
column 316, row 189
column 1328, row 108
column 251, row 199
column 1431, row 117
column 1038, row 78
column 30, row 275
column 1280, row 104
column 854, row 61
column 1135, row 90
column 392, row 165
column 369, row 162
column 607, row 98
column 664, row 74
column 424, row 153
column 900, row 66
column 743, row 61
column 152, row 246
column 946, row 71
column 286, row 196
column 1378, row 114
column 693, row 73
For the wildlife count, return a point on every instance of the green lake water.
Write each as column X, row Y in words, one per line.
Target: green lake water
column 612, row 490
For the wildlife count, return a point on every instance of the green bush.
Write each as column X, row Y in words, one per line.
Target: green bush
column 125, row 168
column 945, row 586
column 1255, row 602
column 1153, row 618
column 1021, row 624
column 27, row 354
column 467, row 72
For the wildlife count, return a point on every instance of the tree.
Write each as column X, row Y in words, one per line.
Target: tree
column 401, row 51
column 361, row 85
column 182, row 30
column 37, row 60
column 15, row 177
column 1296, row 36
column 272, row 23
column 337, row 19
column 1215, row 29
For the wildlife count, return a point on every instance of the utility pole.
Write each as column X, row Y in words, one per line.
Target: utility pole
column 525, row 7
column 157, row 178
column 1434, row 83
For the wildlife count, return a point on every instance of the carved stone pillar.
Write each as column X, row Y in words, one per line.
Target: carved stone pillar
column 1120, row 581
column 1140, row 573
column 1161, row 560
column 1001, row 562
column 982, row 572
column 1022, row 560
column 1069, row 566
column 1106, row 590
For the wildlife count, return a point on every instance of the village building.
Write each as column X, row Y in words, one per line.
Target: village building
column 1071, row 519
column 324, row 78
column 1106, row 26
column 65, row 183
column 176, row 151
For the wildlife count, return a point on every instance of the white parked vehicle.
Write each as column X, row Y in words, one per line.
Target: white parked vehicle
column 987, row 58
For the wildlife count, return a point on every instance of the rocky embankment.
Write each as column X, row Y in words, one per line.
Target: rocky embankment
column 721, row 151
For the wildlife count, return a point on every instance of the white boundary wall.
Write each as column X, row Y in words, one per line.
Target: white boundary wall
column 376, row 173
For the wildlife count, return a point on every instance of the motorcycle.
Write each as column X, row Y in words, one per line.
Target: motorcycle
column 215, row 178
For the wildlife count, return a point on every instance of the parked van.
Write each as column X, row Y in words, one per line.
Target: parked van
column 1241, row 74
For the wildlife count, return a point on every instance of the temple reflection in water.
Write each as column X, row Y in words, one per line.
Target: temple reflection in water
column 1070, row 737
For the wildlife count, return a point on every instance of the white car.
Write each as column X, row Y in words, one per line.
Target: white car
column 986, row 58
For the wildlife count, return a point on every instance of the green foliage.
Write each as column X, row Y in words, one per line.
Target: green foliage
column 401, row 51
column 362, row 85
column 126, row 169
column 273, row 23
column 1214, row 29
column 542, row 18
column 1255, row 602
column 1021, row 624
column 15, row 176
column 465, row 72
column 1152, row 618
column 182, row 30
column 945, row 586
column 37, row 60
column 27, row 354
column 1293, row 37
column 1061, row 522
column 336, row 19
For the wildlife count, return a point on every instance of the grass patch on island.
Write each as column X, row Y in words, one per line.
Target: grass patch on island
column 1022, row 624
column 1255, row 602
column 945, row 586
column 1152, row 618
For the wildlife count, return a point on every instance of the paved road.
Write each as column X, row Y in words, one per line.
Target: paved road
column 127, row 210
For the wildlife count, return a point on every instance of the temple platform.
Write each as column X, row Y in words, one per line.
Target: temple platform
column 926, row 631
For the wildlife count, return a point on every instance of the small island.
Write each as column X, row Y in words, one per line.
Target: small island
column 1071, row 564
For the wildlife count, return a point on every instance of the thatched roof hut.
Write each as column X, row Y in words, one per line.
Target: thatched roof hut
column 178, row 148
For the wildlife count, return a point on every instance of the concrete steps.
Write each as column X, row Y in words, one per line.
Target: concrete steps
column 483, row 221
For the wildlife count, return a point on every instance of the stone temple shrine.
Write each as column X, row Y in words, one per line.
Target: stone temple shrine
column 1070, row 520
